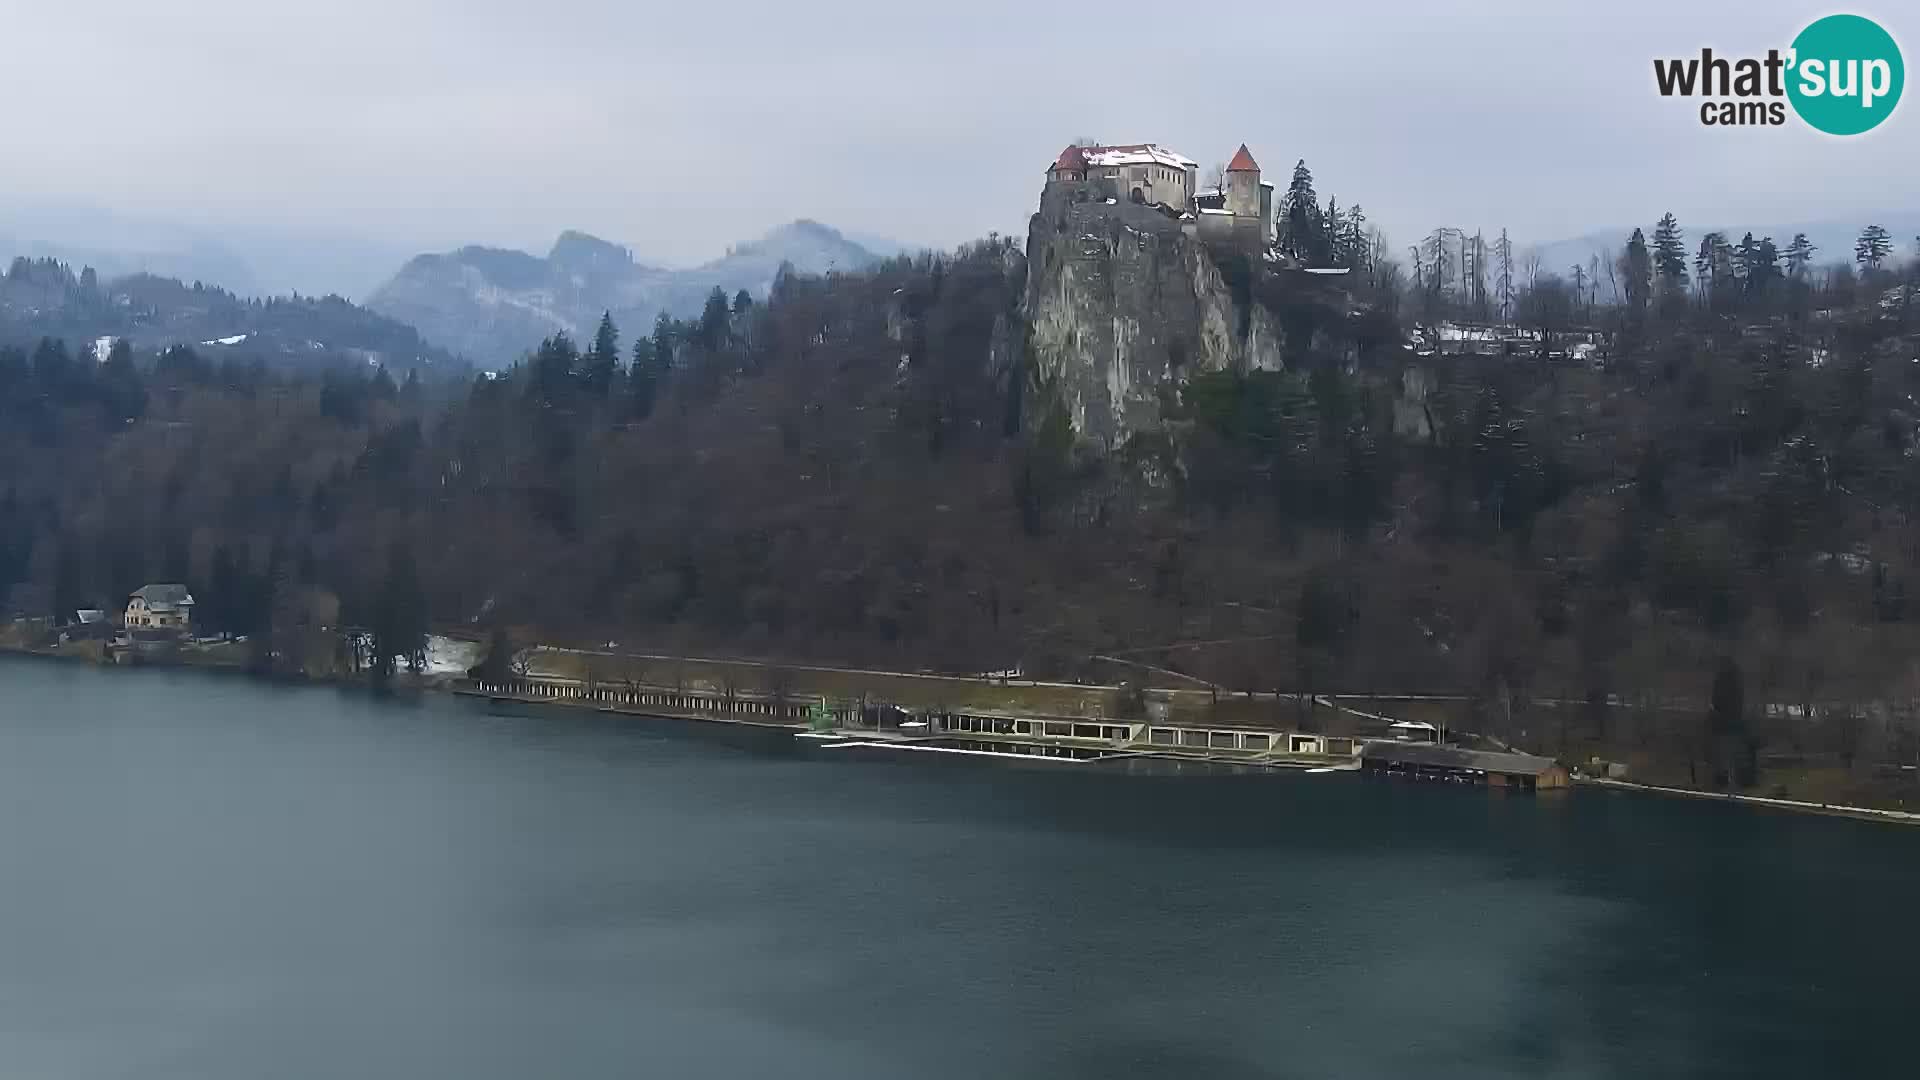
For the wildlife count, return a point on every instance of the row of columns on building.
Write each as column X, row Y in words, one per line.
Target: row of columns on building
column 535, row 689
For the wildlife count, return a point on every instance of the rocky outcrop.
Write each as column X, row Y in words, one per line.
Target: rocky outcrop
column 1122, row 305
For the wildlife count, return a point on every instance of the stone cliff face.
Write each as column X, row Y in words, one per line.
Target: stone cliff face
column 1122, row 306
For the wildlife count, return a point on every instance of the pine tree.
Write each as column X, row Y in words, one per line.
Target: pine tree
column 1873, row 247
column 602, row 361
column 1725, row 277
column 665, row 335
column 1799, row 254
column 556, row 368
column 713, row 322
column 126, row 395
column 1764, row 269
column 399, row 622
column 643, row 380
column 1300, row 228
column 1669, row 254
column 1746, row 256
column 1358, row 252
column 1636, row 267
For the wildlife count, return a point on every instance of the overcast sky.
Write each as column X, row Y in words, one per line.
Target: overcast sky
column 679, row 127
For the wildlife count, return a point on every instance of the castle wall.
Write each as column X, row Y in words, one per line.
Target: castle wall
column 1160, row 183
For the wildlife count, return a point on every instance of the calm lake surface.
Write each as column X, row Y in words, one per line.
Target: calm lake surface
column 215, row 879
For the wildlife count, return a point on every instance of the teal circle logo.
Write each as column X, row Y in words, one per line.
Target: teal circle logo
column 1846, row 74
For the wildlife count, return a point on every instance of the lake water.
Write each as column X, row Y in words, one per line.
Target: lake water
column 215, row 879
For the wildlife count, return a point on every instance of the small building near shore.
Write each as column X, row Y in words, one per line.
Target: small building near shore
column 1424, row 761
column 160, row 607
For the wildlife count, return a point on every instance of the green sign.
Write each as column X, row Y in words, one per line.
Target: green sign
column 818, row 716
column 1847, row 74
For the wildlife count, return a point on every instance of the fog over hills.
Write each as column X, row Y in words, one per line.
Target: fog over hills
column 494, row 304
column 247, row 260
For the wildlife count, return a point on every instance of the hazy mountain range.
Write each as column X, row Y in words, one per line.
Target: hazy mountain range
column 47, row 299
column 1833, row 239
column 244, row 260
column 492, row 305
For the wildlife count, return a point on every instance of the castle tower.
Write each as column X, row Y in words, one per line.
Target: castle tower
column 1243, row 186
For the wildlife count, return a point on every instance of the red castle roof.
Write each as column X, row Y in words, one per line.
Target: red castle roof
column 1243, row 161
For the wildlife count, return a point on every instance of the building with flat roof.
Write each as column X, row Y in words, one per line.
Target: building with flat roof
column 1425, row 761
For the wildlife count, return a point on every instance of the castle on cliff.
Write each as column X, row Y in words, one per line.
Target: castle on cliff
column 1241, row 205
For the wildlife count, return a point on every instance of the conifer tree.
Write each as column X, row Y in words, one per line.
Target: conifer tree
column 1799, row 254
column 713, row 321
column 603, row 359
column 1873, row 246
column 1669, row 254
column 1636, row 267
column 665, row 335
column 1358, row 252
column 399, row 622
column 1300, row 226
column 643, row 380
column 556, row 367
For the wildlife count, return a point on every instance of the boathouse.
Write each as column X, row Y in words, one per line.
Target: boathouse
column 1424, row 761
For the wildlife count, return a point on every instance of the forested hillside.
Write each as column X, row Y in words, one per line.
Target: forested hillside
column 48, row 299
column 849, row 472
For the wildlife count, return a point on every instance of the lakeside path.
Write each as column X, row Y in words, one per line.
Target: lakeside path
column 1864, row 813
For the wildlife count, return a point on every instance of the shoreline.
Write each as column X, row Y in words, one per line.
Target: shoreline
column 1798, row 806
column 442, row 684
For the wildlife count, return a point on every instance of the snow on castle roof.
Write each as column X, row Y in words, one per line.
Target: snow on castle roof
column 1114, row 156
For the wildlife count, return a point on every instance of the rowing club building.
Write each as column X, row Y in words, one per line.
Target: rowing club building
column 1426, row 761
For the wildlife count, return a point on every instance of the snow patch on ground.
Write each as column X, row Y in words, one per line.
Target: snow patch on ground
column 448, row 656
column 234, row 340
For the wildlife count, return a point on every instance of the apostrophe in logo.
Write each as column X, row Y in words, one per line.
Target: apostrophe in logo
column 1846, row 74
column 1842, row 75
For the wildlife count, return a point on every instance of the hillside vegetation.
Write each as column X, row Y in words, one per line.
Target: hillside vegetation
column 850, row 471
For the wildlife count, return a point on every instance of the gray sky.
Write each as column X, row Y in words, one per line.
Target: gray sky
column 679, row 127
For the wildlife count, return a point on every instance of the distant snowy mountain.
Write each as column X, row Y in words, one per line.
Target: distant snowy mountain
column 492, row 305
column 1833, row 239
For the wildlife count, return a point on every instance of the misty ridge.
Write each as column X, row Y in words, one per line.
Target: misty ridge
column 495, row 305
column 176, row 285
